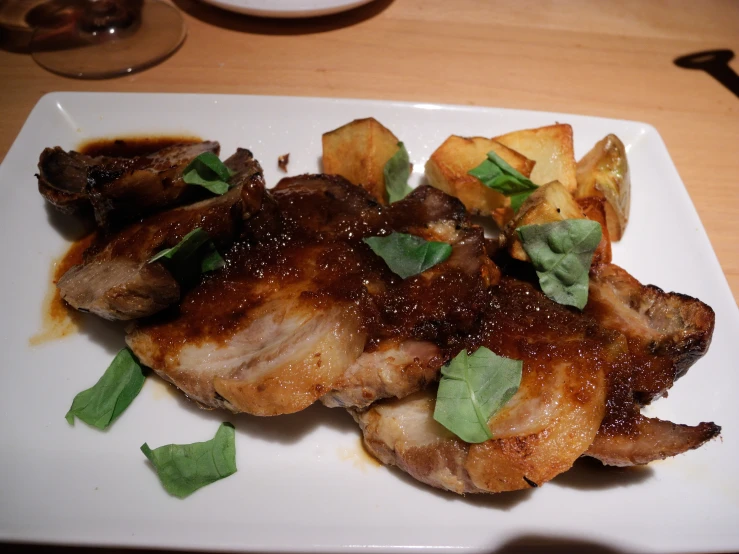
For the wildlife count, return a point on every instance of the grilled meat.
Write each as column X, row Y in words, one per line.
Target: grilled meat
column 666, row 333
column 579, row 393
column 119, row 190
column 673, row 330
column 302, row 311
column 305, row 311
column 649, row 439
column 540, row 432
column 62, row 180
column 116, row 281
column 394, row 369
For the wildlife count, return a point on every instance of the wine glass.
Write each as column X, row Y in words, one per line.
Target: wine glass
column 95, row 39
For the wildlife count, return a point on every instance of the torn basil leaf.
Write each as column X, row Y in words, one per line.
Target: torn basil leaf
column 195, row 251
column 209, row 172
column 189, row 244
column 185, row 468
column 397, row 170
column 101, row 404
column 472, row 389
column 561, row 253
column 408, row 255
column 212, row 260
column 499, row 175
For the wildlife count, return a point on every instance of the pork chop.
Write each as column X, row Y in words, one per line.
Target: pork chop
column 575, row 396
column 671, row 329
column 116, row 280
column 666, row 333
column 119, row 190
column 540, row 432
column 304, row 308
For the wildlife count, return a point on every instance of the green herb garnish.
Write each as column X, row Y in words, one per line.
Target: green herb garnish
column 561, row 253
column 188, row 245
column 499, row 175
column 208, row 171
column 472, row 389
column 397, row 170
column 184, row 468
column 101, row 404
column 408, row 255
column 212, row 260
column 195, row 249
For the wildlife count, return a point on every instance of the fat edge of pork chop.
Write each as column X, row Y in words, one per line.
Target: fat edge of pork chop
column 119, row 190
column 667, row 333
column 672, row 327
column 650, row 439
column 116, row 281
column 290, row 298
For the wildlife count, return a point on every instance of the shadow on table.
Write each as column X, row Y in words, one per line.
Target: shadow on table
column 274, row 26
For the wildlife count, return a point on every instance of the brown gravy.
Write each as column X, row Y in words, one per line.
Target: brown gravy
column 128, row 147
column 58, row 319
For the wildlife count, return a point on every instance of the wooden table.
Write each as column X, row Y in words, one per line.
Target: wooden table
column 606, row 59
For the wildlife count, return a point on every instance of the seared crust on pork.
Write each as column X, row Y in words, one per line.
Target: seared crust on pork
column 652, row 439
column 308, row 311
column 116, row 280
column 119, row 190
column 575, row 396
column 672, row 328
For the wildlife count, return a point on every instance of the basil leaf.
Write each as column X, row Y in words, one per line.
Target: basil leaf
column 189, row 244
column 472, row 389
column 184, row 468
column 101, row 404
column 562, row 253
column 408, row 255
column 194, row 251
column 212, row 260
column 397, row 170
column 208, row 171
column 517, row 200
column 499, row 175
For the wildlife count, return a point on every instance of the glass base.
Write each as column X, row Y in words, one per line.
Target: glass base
column 75, row 43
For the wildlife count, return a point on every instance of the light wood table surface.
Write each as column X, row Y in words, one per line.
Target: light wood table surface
column 609, row 59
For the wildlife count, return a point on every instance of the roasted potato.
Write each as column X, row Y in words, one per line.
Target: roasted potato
column 551, row 148
column 448, row 166
column 594, row 209
column 547, row 204
column 604, row 172
column 358, row 151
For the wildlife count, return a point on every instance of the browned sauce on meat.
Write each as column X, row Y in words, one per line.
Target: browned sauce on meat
column 128, row 147
column 317, row 248
column 58, row 319
column 521, row 323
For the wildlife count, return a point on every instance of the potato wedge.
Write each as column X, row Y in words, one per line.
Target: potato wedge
column 447, row 169
column 594, row 209
column 547, row 204
column 358, row 151
column 604, row 172
column 551, row 148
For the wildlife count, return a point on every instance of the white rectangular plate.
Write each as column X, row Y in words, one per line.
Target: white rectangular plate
column 303, row 482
